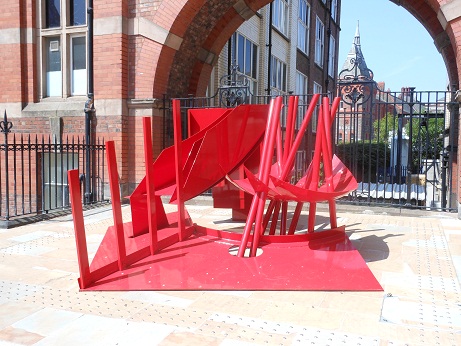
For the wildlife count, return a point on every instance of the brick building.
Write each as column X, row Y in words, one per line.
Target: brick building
column 282, row 59
column 145, row 49
column 45, row 54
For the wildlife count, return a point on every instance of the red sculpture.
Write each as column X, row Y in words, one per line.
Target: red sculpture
column 168, row 251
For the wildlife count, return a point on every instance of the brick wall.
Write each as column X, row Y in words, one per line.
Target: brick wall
column 140, row 67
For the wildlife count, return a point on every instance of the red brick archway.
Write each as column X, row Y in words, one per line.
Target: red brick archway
column 196, row 31
column 187, row 36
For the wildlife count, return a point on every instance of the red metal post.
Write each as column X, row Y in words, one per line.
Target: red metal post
column 269, row 211
column 148, row 160
column 255, row 203
column 179, row 168
column 295, row 218
column 299, row 137
column 116, row 203
column 275, row 218
column 311, row 219
column 79, row 228
column 266, row 160
column 283, row 222
column 291, row 121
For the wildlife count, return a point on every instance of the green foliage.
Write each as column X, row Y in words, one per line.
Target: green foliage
column 385, row 126
column 364, row 159
column 427, row 139
column 427, row 142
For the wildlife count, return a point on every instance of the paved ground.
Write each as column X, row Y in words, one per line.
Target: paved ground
column 417, row 260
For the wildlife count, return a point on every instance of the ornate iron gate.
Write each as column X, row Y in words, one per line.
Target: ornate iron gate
column 400, row 145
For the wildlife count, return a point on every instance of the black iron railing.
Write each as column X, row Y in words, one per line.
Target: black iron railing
column 33, row 172
column 401, row 146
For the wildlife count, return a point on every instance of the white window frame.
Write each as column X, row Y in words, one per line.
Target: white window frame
column 278, row 75
column 66, row 32
column 334, row 9
column 280, row 16
column 301, row 90
column 317, row 90
column 253, row 57
column 78, row 78
column 331, row 57
column 319, row 41
column 304, row 12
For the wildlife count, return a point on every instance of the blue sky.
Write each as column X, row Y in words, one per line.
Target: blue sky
column 396, row 47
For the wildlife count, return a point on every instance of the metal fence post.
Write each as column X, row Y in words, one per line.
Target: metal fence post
column 5, row 127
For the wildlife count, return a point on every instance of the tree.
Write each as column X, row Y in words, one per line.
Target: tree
column 427, row 138
column 385, row 128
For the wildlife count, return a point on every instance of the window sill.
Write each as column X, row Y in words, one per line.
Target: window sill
column 302, row 52
column 280, row 33
column 56, row 107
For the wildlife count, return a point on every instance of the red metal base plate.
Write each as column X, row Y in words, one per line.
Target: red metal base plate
column 325, row 261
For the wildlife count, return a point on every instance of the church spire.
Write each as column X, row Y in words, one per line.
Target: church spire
column 355, row 65
column 357, row 36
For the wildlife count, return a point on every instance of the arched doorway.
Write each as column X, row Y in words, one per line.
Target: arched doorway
column 197, row 31
column 179, row 60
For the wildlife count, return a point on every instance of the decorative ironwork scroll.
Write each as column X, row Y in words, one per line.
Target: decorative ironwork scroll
column 356, row 81
column 5, row 125
column 234, row 88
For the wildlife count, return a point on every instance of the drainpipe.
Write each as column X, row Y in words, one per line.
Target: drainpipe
column 269, row 45
column 89, row 104
column 327, row 52
column 229, row 56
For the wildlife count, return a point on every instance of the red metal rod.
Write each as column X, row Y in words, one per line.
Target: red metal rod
column 279, row 149
column 179, row 168
column 148, row 160
column 315, row 171
column 291, row 121
column 275, row 218
column 248, row 226
column 79, row 228
column 295, row 218
column 116, row 203
column 332, row 209
column 264, row 176
column 327, row 124
column 258, row 225
column 311, row 220
column 326, row 146
column 256, row 197
column 268, row 214
column 283, row 221
column 299, row 137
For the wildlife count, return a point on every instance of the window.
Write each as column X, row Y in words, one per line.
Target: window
column 317, row 90
column 53, row 66
column 77, row 12
column 280, row 16
column 340, row 137
column 301, row 90
column 278, row 75
column 53, row 13
column 352, row 137
column 319, row 41
column 303, row 26
column 334, row 9
column 331, row 57
column 55, row 187
column 63, row 46
column 245, row 54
